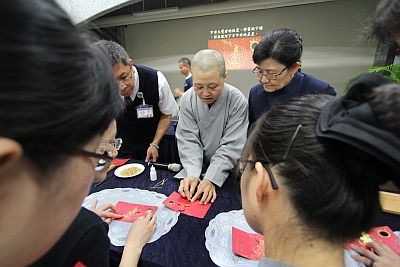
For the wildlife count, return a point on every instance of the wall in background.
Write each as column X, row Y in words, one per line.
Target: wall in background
column 333, row 50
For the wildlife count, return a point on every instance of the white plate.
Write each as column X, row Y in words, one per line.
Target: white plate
column 118, row 171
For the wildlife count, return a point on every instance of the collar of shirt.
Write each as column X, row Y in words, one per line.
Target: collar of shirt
column 188, row 76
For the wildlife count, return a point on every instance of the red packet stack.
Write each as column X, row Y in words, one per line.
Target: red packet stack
column 247, row 245
column 177, row 203
column 381, row 234
column 119, row 162
column 126, row 209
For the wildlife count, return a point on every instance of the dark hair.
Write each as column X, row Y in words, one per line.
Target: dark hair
column 385, row 102
column 185, row 61
column 386, row 21
column 115, row 52
column 57, row 91
column 330, row 183
column 282, row 44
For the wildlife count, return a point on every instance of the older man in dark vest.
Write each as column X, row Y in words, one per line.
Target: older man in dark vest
column 149, row 101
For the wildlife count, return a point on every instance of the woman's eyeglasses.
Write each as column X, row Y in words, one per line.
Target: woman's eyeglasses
column 270, row 76
column 241, row 164
column 103, row 158
column 116, row 143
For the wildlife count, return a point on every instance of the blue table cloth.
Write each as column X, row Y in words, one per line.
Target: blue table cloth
column 184, row 244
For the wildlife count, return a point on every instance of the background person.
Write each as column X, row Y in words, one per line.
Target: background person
column 185, row 69
column 149, row 104
column 278, row 60
column 211, row 130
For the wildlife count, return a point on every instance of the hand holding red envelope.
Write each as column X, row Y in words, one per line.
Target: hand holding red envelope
column 128, row 210
column 180, row 204
column 381, row 234
column 248, row 245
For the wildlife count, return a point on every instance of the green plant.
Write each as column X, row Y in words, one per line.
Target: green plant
column 390, row 71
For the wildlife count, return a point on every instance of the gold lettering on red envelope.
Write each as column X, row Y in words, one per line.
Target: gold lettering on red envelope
column 247, row 245
column 381, row 234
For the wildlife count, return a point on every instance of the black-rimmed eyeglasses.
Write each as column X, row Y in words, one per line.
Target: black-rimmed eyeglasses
column 101, row 157
column 241, row 164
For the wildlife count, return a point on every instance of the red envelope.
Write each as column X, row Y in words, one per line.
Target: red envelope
column 126, row 209
column 247, row 245
column 381, row 234
column 119, row 162
column 180, row 204
column 79, row 264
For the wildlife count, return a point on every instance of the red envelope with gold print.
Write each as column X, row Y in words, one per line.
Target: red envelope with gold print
column 180, row 204
column 381, row 234
column 127, row 209
column 247, row 245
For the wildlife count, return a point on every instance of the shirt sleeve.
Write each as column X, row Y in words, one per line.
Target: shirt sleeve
column 188, row 137
column 167, row 103
column 231, row 144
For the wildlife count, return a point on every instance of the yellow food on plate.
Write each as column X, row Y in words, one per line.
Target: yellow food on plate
column 130, row 171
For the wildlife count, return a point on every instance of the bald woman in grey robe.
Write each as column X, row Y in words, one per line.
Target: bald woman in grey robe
column 212, row 128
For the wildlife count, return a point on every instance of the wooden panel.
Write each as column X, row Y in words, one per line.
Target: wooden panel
column 390, row 202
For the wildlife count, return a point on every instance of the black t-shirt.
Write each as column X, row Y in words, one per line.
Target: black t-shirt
column 85, row 242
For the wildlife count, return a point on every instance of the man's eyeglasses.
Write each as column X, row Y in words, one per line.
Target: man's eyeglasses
column 105, row 158
column 270, row 76
column 116, row 143
column 127, row 78
column 241, row 164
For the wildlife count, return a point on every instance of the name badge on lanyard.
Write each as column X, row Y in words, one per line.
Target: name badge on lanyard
column 144, row 111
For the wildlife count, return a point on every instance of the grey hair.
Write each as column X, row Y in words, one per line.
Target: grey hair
column 116, row 52
column 209, row 59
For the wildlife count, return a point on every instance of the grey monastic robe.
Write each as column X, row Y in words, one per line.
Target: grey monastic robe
column 211, row 140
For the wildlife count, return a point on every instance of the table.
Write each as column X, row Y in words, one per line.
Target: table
column 184, row 245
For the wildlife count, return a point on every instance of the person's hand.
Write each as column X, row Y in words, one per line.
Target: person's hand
column 107, row 212
column 141, row 231
column 187, row 187
column 207, row 188
column 152, row 154
column 383, row 256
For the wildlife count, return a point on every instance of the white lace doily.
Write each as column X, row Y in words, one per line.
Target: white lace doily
column 219, row 239
column 118, row 231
